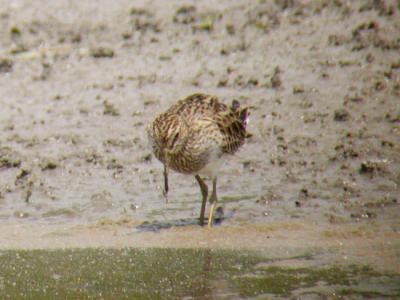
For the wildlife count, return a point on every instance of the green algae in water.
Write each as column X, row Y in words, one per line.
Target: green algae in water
column 174, row 274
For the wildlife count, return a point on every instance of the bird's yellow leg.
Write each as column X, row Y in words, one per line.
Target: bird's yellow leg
column 213, row 201
column 211, row 216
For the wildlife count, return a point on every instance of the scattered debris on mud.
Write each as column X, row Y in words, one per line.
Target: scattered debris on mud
column 321, row 79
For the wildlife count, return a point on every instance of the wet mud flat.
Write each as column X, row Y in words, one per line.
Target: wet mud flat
column 133, row 273
column 79, row 82
column 277, row 261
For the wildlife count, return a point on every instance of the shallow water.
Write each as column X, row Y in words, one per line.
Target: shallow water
column 157, row 273
column 321, row 170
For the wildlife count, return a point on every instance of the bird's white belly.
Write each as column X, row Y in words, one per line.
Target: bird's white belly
column 212, row 168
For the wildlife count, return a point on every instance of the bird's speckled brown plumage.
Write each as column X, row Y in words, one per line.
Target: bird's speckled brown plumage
column 197, row 131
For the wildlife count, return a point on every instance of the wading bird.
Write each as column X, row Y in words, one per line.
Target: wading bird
column 193, row 135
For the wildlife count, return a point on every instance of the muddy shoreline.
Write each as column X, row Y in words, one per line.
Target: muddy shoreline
column 80, row 81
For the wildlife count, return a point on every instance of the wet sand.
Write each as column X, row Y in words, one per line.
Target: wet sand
column 80, row 81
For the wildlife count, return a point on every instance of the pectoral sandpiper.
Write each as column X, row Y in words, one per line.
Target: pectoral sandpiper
column 192, row 136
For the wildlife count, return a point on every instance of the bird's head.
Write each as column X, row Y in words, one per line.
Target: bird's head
column 242, row 112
